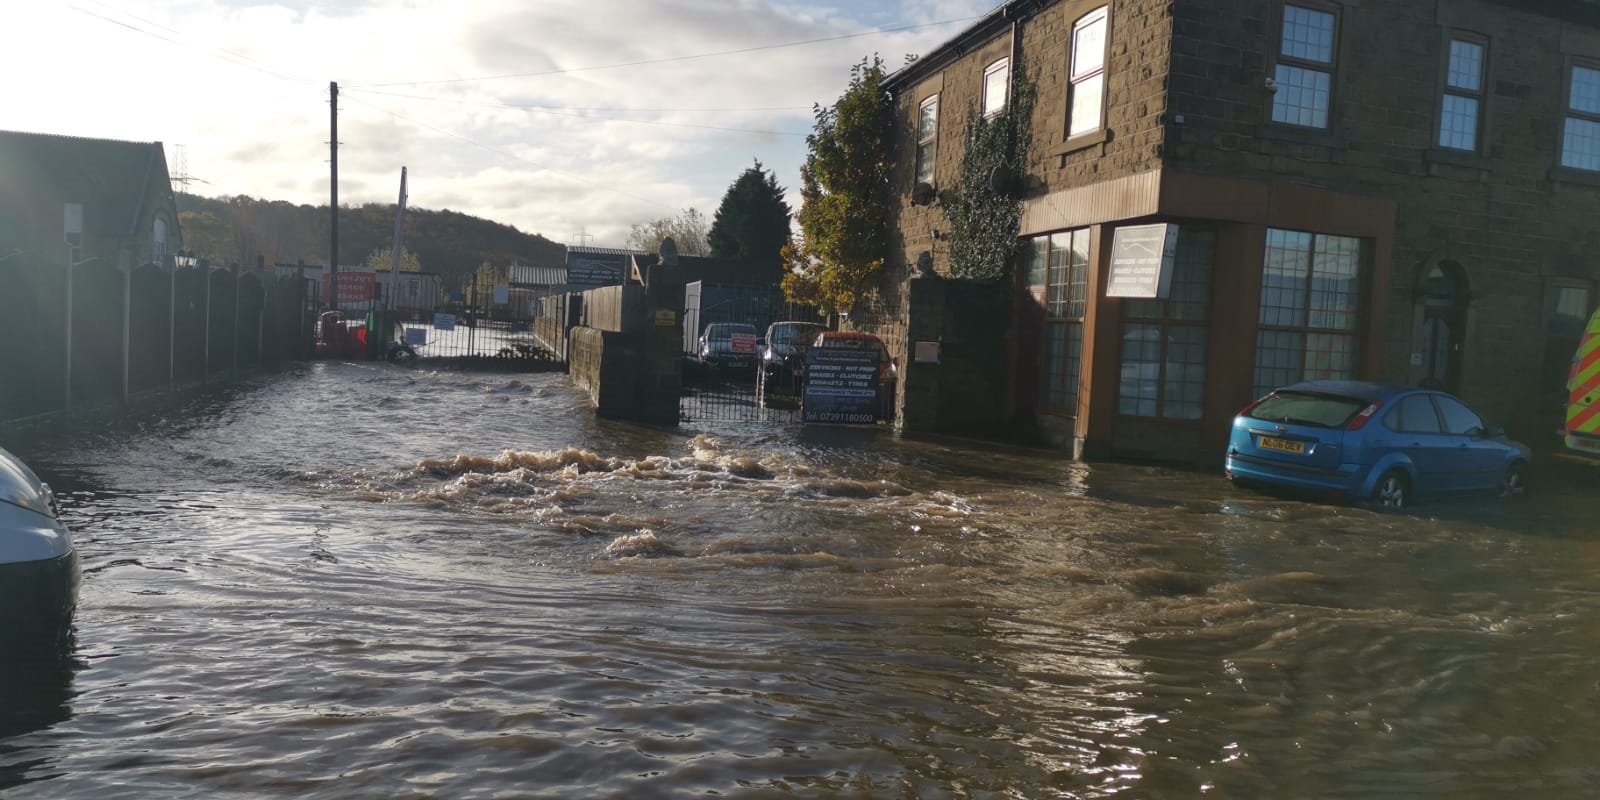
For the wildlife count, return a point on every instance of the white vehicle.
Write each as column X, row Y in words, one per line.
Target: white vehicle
column 38, row 565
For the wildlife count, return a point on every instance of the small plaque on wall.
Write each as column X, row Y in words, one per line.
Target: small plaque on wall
column 925, row 353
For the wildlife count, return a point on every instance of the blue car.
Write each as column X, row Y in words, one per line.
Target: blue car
column 1369, row 442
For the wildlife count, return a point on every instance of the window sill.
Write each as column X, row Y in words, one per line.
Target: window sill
column 1456, row 158
column 1573, row 175
column 1082, row 141
column 1439, row 162
column 1297, row 134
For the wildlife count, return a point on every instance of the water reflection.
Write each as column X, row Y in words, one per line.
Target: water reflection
column 35, row 694
column 353, row 580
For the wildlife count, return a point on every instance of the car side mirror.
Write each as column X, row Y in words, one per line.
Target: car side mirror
column 1493, row 431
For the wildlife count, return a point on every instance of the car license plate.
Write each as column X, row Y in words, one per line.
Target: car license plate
column 1284, row 445
column 1585, row 443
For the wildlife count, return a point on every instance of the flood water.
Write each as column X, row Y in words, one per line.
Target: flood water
column 367, row 581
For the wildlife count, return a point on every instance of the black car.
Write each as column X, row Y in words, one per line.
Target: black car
column 783, row 357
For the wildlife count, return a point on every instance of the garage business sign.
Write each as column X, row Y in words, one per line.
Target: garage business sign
column 841, row 385
column 1141, row 261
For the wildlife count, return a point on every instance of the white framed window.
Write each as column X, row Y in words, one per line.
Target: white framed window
column 1064, row 261
column 996, row 87
column 1303, row 75
column 927, row 138
column 1086, row 100
column 1461, row 108
column 1580, row 140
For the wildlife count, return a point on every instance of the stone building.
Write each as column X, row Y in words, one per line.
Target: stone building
column 1399, row 191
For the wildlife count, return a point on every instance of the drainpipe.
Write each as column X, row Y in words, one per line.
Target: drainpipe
column 1016, row 54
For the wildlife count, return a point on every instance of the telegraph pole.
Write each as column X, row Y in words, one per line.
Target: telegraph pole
column 333, row 201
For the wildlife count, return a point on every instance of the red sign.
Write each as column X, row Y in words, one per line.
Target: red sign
column 743, row 343
column 354, row 287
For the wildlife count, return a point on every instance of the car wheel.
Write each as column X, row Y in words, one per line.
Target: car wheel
column 1514, row 482
column 1393, row 492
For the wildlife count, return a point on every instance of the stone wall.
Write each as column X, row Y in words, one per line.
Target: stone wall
column 1510, row 216
column 1130, row 141
column 605, row 364
column 633, row 371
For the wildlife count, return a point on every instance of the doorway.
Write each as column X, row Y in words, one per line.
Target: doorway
column 1445, row 297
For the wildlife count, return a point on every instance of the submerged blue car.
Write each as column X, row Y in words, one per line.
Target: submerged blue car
column 1369, row 442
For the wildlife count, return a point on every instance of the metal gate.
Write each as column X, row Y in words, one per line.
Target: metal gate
column 481, row 326
column 726, row 403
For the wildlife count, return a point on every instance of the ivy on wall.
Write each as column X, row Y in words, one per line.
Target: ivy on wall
column 985, row 205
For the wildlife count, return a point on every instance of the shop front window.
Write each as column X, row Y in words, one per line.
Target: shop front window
column 1065, row 257
column 1164, row 341
column 1310, row 309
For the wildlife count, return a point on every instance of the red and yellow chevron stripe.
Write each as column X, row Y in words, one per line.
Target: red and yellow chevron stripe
column 1583, row 388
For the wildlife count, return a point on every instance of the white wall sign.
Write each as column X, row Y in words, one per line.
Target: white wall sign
column 1141, row 261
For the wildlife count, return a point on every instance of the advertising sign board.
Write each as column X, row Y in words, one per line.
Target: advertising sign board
column 355, row 287
column 1141, row 261
column 841, row 386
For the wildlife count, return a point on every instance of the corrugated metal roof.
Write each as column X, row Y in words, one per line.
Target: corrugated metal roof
column 523, row 275
column 602, row 251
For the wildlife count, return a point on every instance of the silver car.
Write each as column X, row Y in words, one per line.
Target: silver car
column 39, row 570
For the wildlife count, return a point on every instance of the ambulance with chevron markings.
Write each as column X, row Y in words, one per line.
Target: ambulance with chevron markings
column 1582, row 431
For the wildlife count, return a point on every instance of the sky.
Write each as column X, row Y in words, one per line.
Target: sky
column 573, row 119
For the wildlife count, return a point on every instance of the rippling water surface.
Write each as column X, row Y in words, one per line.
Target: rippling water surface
column 363, row 581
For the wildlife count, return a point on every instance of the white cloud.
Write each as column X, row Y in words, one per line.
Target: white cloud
column 243, row 85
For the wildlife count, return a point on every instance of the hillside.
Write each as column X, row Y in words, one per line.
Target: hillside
column 449, row 243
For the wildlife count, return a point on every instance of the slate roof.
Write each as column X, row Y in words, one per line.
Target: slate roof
column 39, row 173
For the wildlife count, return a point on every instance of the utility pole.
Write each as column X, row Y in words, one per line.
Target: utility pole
column 399, row 232
column 333, row 189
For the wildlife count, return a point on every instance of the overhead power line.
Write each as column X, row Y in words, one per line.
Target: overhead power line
column 543, row 107
column 738, row 51
column 224, row 55
column 554, row 113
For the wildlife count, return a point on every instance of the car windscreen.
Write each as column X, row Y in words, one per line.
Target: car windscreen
column 1308, row 408
column 787, row 334
column 729, row 331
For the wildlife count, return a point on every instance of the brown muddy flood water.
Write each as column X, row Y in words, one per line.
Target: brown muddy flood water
column 363, row 581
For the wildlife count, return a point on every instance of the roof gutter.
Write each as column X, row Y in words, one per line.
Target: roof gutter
column 995, row 22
